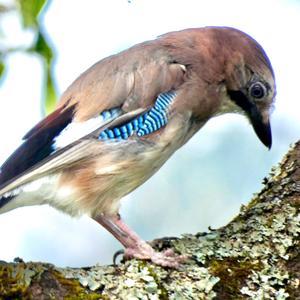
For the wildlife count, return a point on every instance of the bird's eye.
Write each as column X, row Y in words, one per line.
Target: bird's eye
column 258, row 90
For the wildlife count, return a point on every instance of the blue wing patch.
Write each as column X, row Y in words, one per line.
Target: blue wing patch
column 149, row 122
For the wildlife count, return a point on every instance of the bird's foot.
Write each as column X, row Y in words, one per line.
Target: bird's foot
column 144, row 251
column 135, row 247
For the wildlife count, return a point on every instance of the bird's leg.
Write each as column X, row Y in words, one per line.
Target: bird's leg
column 135, row 246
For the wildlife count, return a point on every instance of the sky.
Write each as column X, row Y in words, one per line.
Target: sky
column 205, row 183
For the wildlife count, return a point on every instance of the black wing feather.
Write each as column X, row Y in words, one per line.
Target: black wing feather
column 38, row 144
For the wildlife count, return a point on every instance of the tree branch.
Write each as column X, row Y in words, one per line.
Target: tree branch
column 255, row 256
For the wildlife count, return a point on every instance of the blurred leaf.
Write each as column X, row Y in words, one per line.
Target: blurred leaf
column 2, row 69
column 50, row 93
column 30, row 10
column 42, row 48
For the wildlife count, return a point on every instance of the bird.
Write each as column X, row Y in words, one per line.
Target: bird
column 124, row 117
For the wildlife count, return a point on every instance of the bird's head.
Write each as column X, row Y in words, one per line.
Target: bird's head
column 249, row 81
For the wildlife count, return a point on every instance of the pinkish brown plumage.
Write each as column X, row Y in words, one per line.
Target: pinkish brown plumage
column 119, row 122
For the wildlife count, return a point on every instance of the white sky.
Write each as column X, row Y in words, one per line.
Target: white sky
column 84, row 31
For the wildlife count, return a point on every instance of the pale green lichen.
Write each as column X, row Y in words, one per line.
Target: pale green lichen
column 139, row 280
column 268, row 283
column 194, row 283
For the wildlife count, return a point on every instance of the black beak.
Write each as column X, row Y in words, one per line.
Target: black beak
column 261, row 127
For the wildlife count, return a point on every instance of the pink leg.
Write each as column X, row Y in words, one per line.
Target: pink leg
column 135, row 246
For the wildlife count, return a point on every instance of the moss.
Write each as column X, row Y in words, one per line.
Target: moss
column 34, row 281
column 293, row 265
column 12, row 284
column 233, row 274
column 75, row 289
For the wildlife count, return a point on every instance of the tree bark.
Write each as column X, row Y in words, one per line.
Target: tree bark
column 255, row 256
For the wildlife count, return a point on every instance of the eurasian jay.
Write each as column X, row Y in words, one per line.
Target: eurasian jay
column 120, row 120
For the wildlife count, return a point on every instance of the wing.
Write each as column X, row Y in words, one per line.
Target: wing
column 108, row 96
column 130, row 80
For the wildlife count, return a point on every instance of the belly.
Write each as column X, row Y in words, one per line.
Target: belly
column 98, row 186
column 119, row 168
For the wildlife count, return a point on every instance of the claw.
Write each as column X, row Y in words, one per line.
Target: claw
column 118, row 253
column 167, row 258
column 135, row 247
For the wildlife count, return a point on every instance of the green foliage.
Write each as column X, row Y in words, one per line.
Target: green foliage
column 50, row 92
column 42, row 48
column 30, row 12
column 2, row 68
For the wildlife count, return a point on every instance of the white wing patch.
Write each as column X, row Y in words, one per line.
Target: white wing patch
column 75, row 131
